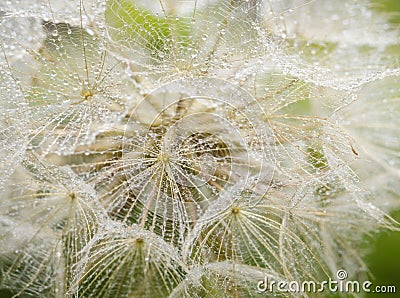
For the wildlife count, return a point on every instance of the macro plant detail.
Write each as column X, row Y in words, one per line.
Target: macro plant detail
column 179, row 150
column 193, row 148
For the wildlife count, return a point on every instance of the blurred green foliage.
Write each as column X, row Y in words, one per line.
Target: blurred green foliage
column 384, row 261
column 391, row 7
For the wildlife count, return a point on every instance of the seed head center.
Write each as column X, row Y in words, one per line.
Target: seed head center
column 235, row 210
column 87, row 93
column 164, row 158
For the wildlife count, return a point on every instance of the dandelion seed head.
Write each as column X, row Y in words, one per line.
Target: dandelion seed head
column 192, row 148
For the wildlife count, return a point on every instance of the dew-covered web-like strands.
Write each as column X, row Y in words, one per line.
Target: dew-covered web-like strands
column 179, row 154
column 143, row 263
column 300, row 136
column 68, row 88
column 222, row 280
column 11, row 135
column 192, row 148
column 284, row 221
column 185, row 40
column 48, row 219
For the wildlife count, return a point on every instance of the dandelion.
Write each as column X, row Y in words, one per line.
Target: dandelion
column 48, row 217
column 191, row 148
column 69, row 87
column 179, row 150
column 128, row 262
